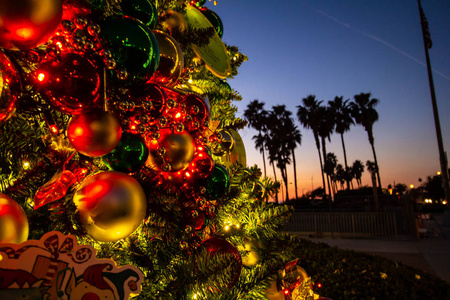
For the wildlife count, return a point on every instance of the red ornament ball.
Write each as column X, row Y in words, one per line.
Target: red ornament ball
column 218, row 246
column 202, row 165
column 13, row 221
column 197, row 107
column 94, row 134
column 26, row 24
column 71, row 84
column 10, row 87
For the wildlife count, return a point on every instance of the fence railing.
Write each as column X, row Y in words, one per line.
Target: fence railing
column 343, row 224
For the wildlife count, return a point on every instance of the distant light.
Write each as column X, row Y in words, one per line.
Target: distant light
column 411, row 186
column 438, row 173
column 444, row 202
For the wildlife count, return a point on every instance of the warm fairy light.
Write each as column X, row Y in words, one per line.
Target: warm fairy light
column 54, row 129
column 26, row 165
column 237, row 226
column 133, row 127
column 24, row 32
column 319, row 285
column 411, row 186
column 188, row 175
column 59, row 45
column 41, row 76
column 444, row 202
column 190, row 80
column 227, row 227
column 178, row 115
column 286, row 292
column 438, row 173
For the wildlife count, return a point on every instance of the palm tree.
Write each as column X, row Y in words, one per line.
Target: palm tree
column 309, row 117
column 279, row 124
column 330, row 166
column 294, row 137
column 357, row 170
column 372, row 168
column 343, row 119
column 365, row 114
column 256, row 117
column 340, row 175
column 326, row 127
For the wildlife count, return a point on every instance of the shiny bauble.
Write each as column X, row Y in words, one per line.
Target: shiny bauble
column 214, row 19
column 272, row 293
column 251, row 257
column 13, row 221
column 171, row 60
column 111, row 205
column 223, row 144
column 94, row 134
column 202, row 165
column 219, row 246
column 27, row 24
column 129, row 155
column 10, row 87
column 71, row 84
column 134, row 47
column 198, row 3
column 143, row 10
column 218, row 183
column 172, row 152
column 197, row 107
column 196, row 219
column 172, row 21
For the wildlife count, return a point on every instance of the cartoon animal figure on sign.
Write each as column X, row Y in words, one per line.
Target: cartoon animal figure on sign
column 97, row 283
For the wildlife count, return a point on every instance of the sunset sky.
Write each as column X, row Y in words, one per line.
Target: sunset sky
column 342, row 48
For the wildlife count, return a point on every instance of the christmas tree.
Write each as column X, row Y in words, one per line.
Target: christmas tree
column 117, row 127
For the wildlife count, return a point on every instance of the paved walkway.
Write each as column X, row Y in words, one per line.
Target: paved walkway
column 430, row 253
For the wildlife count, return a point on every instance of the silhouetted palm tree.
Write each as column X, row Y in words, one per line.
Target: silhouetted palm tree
column 372, row 168
column 365, row 114
column 343, row 119
column 340, row 175
column 357, row 170
column 330, row 166
column 294, row 137
column 256, row 117
column 279, row 124
column 309, row 117
column 325, row 129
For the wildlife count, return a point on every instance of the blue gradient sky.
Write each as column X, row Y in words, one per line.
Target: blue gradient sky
column 342, row 48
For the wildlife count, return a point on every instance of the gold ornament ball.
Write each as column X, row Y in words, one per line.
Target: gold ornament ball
column 171, row 60
column 111, row 205
column 224, row 144
column 272, row 293
column 13, row 221
column 173, row 150
column 249, row 256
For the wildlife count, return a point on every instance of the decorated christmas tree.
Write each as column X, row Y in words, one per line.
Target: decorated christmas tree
column 122, row 172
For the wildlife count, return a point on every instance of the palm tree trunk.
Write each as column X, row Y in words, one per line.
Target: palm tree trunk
column 264, row 160
column 285, row 179
column 345, row 158
column 275, row 176
column 295, row 174
column 324, row 152
column 316, row 137
column 372, row 142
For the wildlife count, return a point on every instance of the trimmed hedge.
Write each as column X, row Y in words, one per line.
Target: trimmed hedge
column 347, row 274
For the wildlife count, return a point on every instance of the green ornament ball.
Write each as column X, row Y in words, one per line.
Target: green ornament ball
column 214, row 19
column 143, row 10
column 218, row 183
column 133, row 46
column 199, row 3
column 128, row 156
